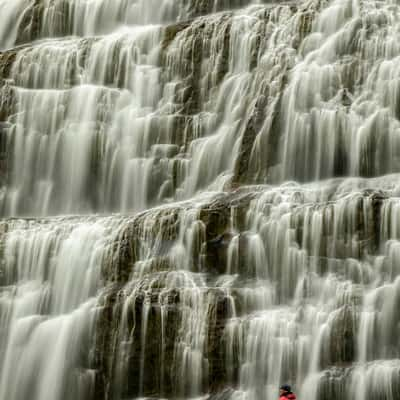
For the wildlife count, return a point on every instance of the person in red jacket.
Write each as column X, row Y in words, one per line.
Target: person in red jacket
column 285, row 393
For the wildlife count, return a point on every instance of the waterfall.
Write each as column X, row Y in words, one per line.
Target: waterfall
column 199, row 199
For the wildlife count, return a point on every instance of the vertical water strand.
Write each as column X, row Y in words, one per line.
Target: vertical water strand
column 51, row 277
column 379, row 317
column 325, row 298
column 70, row 171
column 227, row 91
column 11, row 14
column 325, row 109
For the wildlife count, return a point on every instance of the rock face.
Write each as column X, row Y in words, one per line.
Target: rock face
column 199, row 199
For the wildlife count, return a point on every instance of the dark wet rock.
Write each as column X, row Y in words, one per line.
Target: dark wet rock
column 6, row 61
column 171, row 31
column 106, row 332
column 198, row 37
column 224, row 394
column 6, row 109
column 30, row 25
column 343, row 338
column 333, row 384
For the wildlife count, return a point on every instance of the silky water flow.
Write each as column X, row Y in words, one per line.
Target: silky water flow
column 199, row 199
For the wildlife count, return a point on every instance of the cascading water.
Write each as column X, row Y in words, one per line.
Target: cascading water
column 50, row 276
column 199, row 199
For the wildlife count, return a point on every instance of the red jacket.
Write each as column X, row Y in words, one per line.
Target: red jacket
column 289, row 396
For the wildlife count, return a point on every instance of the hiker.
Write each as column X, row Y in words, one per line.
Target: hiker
column 285, row 393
